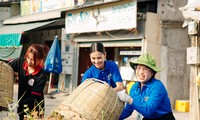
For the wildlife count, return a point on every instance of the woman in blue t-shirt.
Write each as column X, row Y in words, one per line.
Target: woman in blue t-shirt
column 148, row 96
column 102, row 69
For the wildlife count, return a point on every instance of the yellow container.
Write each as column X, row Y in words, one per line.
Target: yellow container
column 182, row 105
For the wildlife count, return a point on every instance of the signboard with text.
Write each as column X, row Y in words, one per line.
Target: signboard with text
column 29, row 7
column 115, row 16
column 48, row 5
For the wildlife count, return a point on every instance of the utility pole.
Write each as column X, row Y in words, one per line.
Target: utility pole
column 193, row 60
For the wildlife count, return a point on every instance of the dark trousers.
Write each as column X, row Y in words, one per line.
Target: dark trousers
column 168, row 116
column 21, row 116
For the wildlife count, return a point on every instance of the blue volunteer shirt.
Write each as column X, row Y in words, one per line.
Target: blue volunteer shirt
column 151, row 102
column 110, row 74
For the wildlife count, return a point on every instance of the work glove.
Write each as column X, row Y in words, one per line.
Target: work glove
column 123, row 96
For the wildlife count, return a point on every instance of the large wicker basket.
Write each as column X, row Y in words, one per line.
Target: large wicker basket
column 6, row 85
column 92, row 100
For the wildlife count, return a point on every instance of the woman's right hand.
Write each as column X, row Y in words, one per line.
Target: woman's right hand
column 124, row 97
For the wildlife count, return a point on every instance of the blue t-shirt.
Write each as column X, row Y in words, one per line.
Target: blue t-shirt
column 110, row 74
column 151, row 102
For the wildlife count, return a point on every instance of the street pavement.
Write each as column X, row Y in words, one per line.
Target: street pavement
column 57, row 98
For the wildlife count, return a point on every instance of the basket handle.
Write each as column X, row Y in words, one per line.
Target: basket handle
column 100, row 81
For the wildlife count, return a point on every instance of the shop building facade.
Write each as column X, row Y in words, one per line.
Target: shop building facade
column 158, row 31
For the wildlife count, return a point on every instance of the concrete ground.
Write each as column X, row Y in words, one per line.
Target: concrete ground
column 177, row 115
column 50, row 103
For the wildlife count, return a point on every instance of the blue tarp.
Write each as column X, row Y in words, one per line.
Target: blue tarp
column 53, row 61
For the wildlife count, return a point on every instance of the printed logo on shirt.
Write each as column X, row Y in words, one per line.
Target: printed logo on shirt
column 146, row 98
column 31, row 82
column 109, row 76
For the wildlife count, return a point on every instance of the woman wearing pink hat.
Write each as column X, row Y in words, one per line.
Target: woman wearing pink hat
column 148, row 96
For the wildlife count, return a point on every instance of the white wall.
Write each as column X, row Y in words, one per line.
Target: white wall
column 167, row 41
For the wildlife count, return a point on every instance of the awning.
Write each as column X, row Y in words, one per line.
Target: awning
column 10, row 36
column 34, row 17
column 21, row 28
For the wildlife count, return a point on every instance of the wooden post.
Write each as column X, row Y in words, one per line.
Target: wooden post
column 194, row 95
column 49, row 87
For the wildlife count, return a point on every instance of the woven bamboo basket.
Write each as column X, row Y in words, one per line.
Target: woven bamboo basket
column 92, row 100
column 6, row 85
